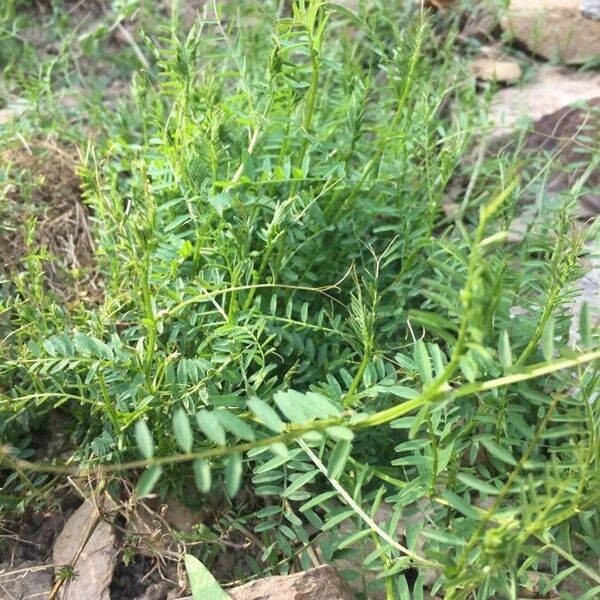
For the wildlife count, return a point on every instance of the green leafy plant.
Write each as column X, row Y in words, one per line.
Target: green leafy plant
column 290, row 318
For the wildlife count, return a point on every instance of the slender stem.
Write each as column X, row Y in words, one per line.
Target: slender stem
column 296, row 431
column 435, row 456
column 539, row 330
column 311, row 100
column 581, row 566
column 360, row 512
column 476, row 536
column 364, row 363
column 393, row 126
column 150, row 317
column 108, row 405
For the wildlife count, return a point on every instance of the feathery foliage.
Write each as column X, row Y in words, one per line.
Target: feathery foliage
column 288, row 316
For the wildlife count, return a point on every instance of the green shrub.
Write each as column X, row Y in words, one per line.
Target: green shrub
column 289, row 316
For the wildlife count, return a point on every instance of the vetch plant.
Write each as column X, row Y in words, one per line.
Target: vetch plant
column 289, row 318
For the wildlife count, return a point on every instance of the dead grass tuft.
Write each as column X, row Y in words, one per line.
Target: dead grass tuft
column 41, row 185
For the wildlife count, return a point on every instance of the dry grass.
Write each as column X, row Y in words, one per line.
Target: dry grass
column 42, row 185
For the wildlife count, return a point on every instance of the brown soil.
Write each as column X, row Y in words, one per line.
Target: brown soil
column 569, row 138
column 571, row 134
column 42, row 186
column 26, row 547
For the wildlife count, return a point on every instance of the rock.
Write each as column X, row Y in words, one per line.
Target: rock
column 557, row 113
column 26, row 580
column 565, row 134
column 156, row 591
column 480, row 23
column 554, row 29
column 320, row 583
column 590, row 9
column 563, row 137
column 552, row 88
column 493, row 69
column 95, row 565
column 6, row 115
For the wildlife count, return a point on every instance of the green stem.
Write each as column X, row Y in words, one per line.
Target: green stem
column 539, row 330
column 476, row 535
column 311, row 101
column 259, row 273
column 150, row 317
column 309, row 111
column 590, row 573
column 435, row 457
column 414, row 60
column 112, row 413
column 297, row 431
column 364, row 363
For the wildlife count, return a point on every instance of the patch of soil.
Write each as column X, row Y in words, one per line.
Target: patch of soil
column 41, row 185
column 37, row 33
column 571, row 134
column 132, row 580
column 26, row 547
column 30, row 539
column 564, row 142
